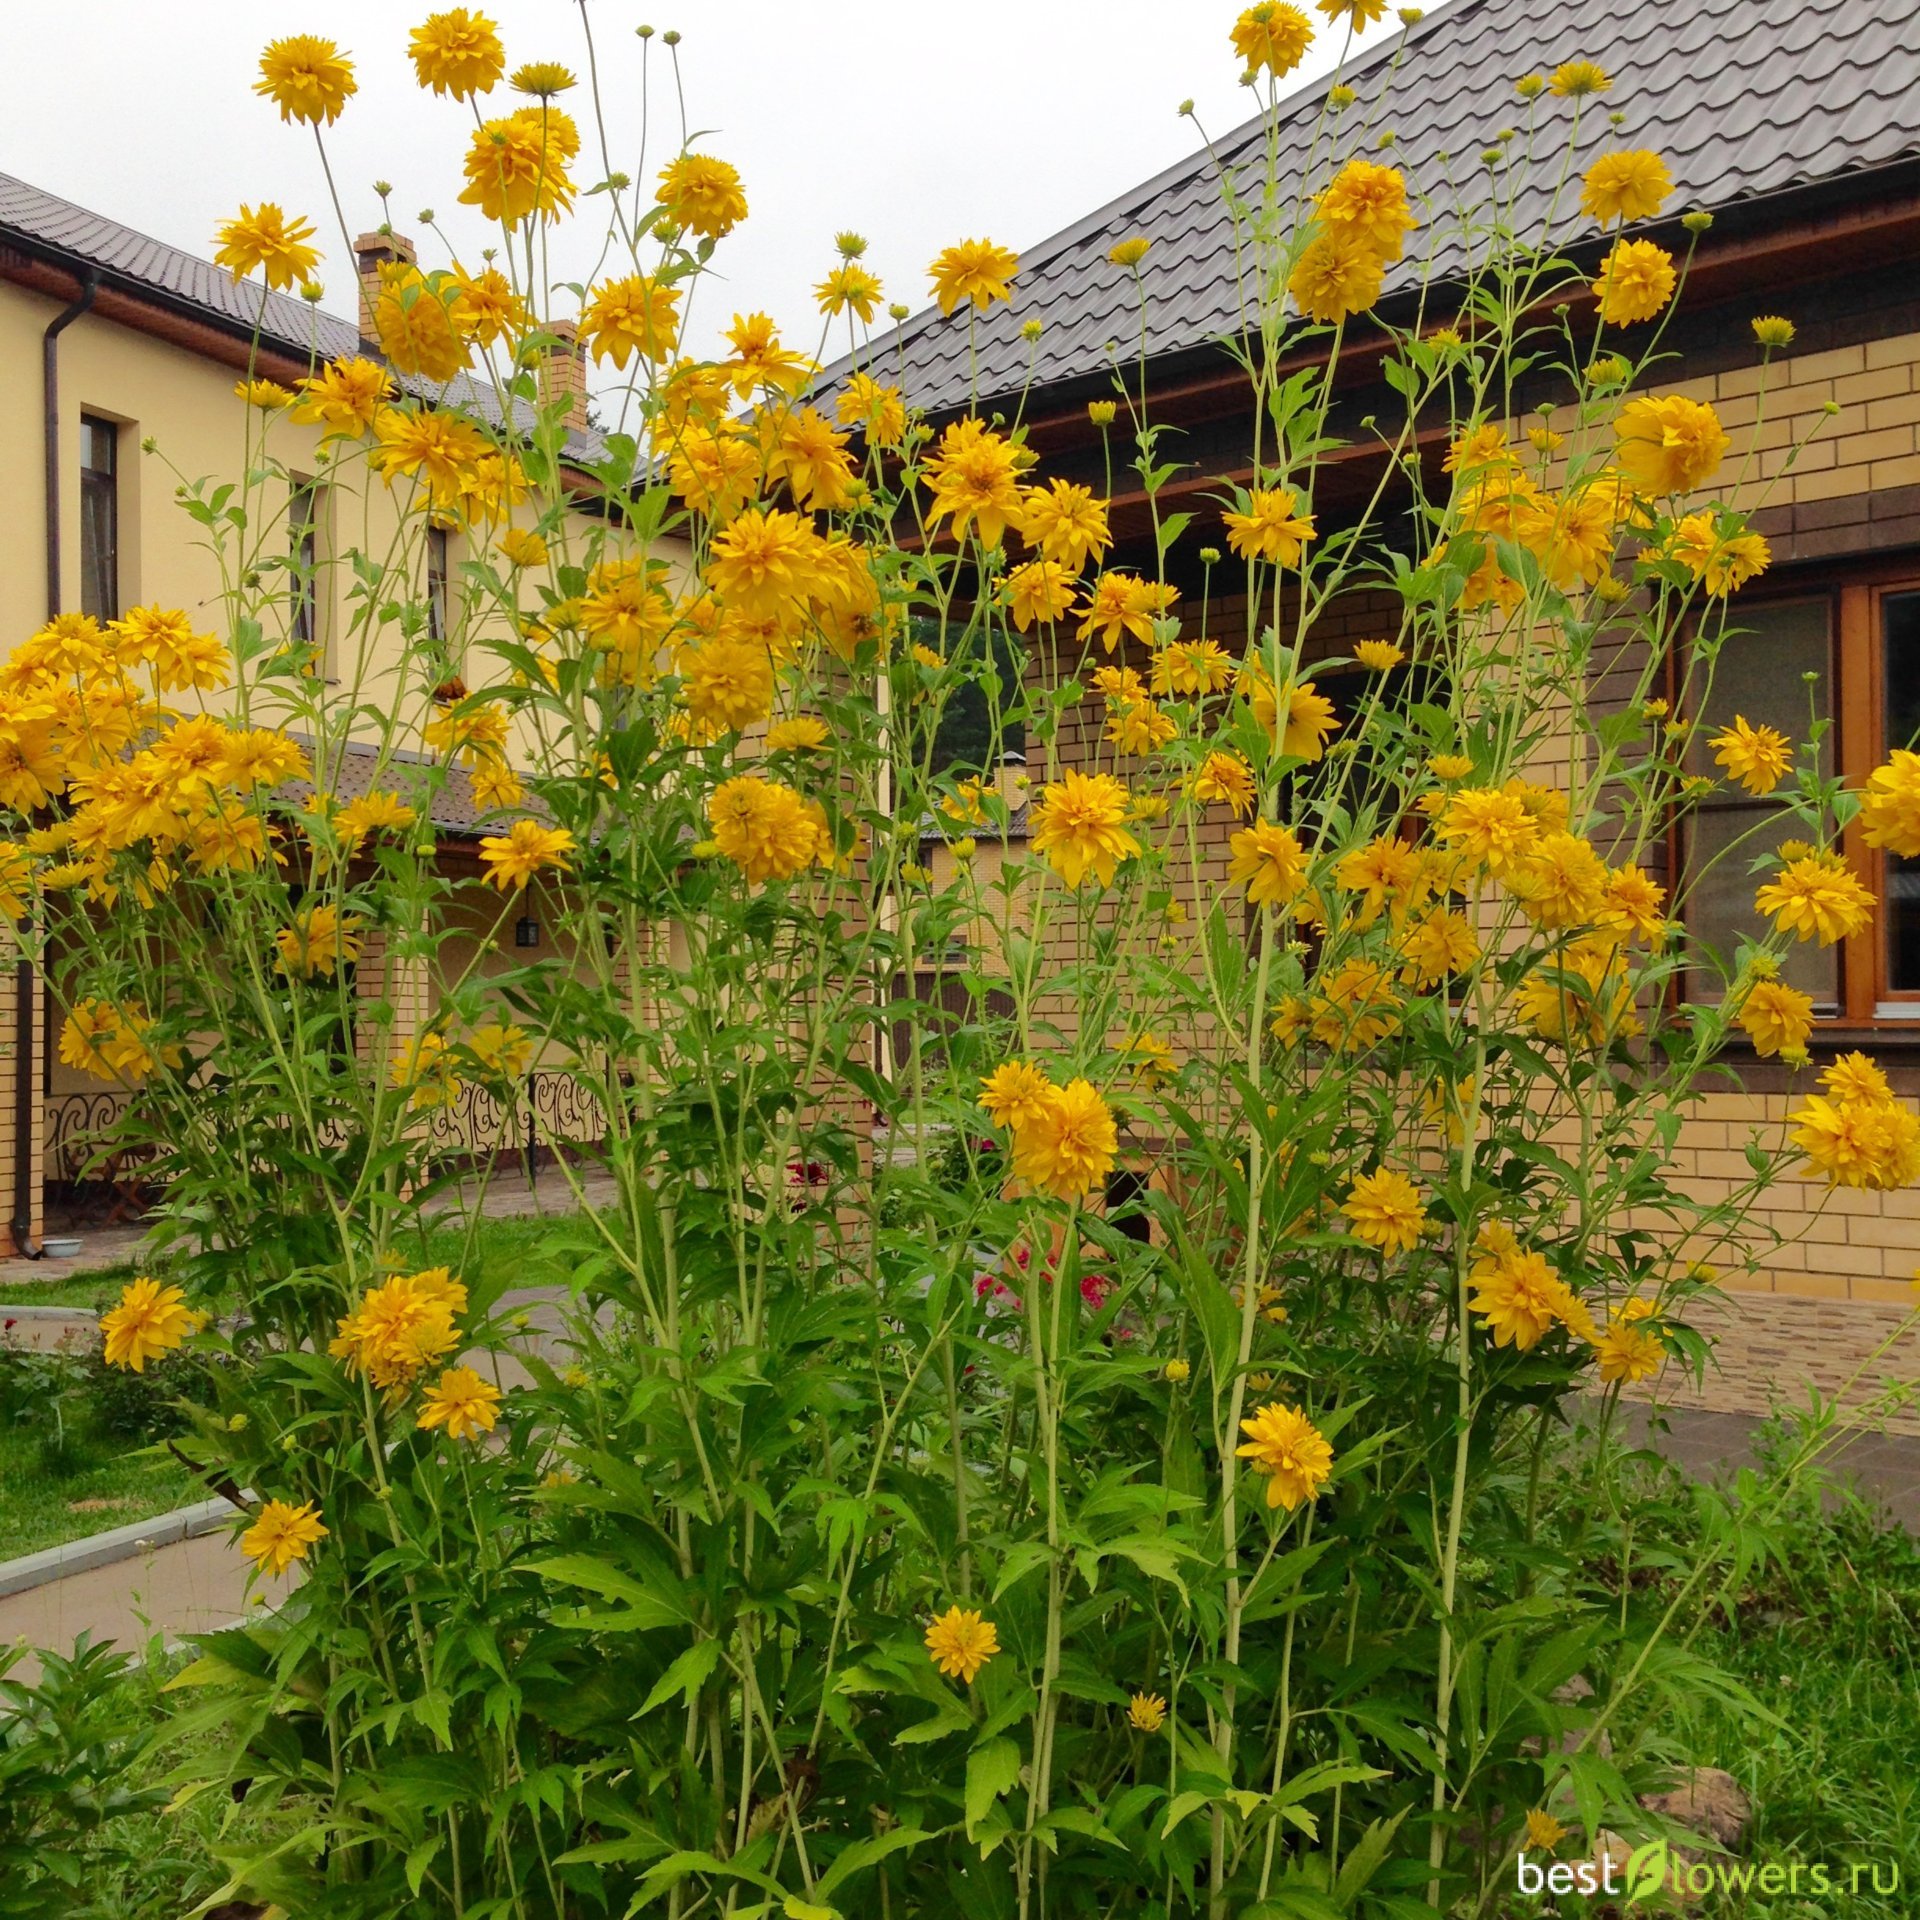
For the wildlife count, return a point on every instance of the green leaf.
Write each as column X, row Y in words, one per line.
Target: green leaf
column 685, row 1677
column 645, row 1606
column 991, row 1770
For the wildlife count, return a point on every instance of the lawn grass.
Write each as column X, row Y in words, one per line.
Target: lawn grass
column 97, row 1288
column 1828, row 1639
column 90, row 1487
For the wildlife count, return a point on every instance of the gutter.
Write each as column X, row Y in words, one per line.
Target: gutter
column 25, row 1064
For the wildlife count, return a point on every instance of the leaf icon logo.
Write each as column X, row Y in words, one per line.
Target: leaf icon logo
column 1646, row 1871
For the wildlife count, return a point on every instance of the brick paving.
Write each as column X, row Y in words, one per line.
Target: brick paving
column 1769, row 1348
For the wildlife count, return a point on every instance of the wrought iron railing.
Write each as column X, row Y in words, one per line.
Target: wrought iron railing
column 550, row 1110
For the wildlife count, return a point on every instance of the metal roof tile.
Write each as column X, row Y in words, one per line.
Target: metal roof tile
column 1744, row 97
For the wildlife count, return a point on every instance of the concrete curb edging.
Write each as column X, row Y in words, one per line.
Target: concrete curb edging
column 51, row 1313
column 117, row 1543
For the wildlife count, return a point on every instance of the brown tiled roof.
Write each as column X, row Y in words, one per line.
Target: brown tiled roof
column 1746, row 99
column 451, row 807
column 76, row 239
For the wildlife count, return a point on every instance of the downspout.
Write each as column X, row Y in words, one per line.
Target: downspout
column 25, row 1051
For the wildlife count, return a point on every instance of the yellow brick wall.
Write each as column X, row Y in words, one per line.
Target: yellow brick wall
column 1850, row 473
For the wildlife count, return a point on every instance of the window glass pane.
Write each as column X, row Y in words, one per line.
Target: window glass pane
column 1761, row 671
column 1720, row 901
column 1900, row 615
column 99, row 521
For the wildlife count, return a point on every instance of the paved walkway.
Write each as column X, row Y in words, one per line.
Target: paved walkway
column 1770, row 1348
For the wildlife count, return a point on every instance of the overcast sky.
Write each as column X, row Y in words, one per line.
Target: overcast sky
column 913, row 122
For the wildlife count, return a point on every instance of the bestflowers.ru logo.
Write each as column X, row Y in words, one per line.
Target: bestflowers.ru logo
column 1655, row 1869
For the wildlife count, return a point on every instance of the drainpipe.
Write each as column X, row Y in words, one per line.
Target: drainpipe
column 26, row 1064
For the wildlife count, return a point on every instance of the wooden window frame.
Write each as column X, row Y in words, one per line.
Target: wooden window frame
column 1856, row 592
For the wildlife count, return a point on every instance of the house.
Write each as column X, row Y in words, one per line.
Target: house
column 1796, row 124
column 119, row 358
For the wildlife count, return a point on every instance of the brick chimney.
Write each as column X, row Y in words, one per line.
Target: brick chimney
column 371, row 252
column 563, row 373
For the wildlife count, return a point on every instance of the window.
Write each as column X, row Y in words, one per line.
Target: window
column 1850, row 653
column 304, row 514
column 99, row 518
column 437, row 626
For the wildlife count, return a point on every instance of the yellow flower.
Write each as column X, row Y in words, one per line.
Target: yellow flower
column 542, row 79
column 1129, row 253
column 462, row 1402
column 1450, row 767
column 1635, row 281
column 440, row 448
column 1078, row 825
column 1668, row 444
column 1578, row 78
column 1365, row 207
column 1068, row 1146
column 1773, row 330
column 975, row 480
column 878, row 409
column 319, row 940
column 1384, row 1209
column 1192, row 666
column 1268, row 860
column 1719, row 561
column 268, row 395
column 399, row 1328
column 1334, row 278
column 517, row 166
column 758, row 359
column 1147, row 1055
column 526, row 848
column 1543, row 1830
column 1436, row 945
column 1890, row 806
column 1037, row 590
column 373, row 812
column 1139, row 727
column 703, row 195
column 804, row 733
column 1631, row 1348
column 265, row 238
column 1870, row 1143
column 150, row 1320
column 502, row 1048
column 307, row 78
column 637, row 314
column 1362, row 13
column 1582, row 997
column 1224, row 777
column 1272, row 37
column 1101, row 412
column 1377, row 656
column 850, row 287
column 1290, row 1450
column 345, row 396
column 1490, row 827
column 107, row 1041
column 1817, row 896
column 726, row 684
column 763, row 827
column 1147, row 1712
column 457, row 52
column 521, row 547
column 1776, row 1018
column 1625, row 186
column 1758, row 757
column 281, row 1534
column 1270, row 529
column 1014, row 1093
column 1519, row 1298
column 1563, row 882
column 1178, row 1372
column 1066, row 523
column 960, row 1643
column 975, row 270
